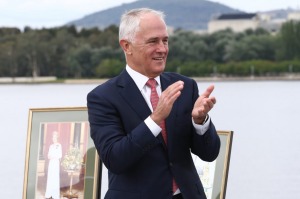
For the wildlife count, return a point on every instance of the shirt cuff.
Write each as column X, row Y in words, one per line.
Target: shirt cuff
column 201, row 129
column 154, row 128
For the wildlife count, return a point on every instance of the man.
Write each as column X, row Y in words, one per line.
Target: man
column 145, row 141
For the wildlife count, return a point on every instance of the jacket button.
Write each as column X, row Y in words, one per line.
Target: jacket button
column 171, row 164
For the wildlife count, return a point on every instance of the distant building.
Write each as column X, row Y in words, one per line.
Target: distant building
column 241, row 22
column 294, row 16
column 273, row 26
column 236, row 22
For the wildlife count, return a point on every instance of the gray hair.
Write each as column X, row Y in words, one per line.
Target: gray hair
column 130, row 22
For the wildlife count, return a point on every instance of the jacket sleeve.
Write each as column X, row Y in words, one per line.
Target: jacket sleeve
column 119, row 150
column 206, row 146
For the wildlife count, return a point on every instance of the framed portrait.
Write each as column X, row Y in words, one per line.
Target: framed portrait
column 213, row 175
column 61, row 160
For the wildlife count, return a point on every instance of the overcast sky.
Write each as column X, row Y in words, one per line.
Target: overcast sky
column 50, row 13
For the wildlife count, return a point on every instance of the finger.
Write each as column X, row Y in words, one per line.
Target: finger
column 210, row 104
column 174, row 88
column 208, row 91
column 169, row 98
column 213, row 99
column 207, row 105
column 176, row 85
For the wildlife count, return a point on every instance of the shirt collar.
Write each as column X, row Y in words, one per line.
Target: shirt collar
column 139, row 79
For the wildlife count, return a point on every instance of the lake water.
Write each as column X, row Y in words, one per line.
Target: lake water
column 265, row 157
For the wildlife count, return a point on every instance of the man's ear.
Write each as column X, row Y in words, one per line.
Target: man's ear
column 125, row 45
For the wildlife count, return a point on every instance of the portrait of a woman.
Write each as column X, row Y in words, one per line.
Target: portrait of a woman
column 53, row 180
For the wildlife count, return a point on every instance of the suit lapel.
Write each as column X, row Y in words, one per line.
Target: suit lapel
column 132, row 95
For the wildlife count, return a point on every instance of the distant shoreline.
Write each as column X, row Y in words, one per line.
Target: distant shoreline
column 45, row 80
column 252, row 78
column 202, row 79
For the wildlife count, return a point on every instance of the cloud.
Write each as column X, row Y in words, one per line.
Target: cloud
column 39, row 13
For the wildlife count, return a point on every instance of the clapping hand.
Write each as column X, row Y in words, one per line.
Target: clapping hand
column 203, row 105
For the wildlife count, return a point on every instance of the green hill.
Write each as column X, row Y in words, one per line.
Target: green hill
column 185, row 14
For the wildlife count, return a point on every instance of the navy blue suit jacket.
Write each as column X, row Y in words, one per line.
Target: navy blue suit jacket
column 140, row 165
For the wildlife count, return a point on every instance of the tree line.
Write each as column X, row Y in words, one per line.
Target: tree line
column 66, row 52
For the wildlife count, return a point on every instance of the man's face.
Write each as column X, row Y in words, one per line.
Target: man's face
column 149, row 50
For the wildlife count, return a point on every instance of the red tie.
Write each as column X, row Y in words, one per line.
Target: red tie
column 154, row 100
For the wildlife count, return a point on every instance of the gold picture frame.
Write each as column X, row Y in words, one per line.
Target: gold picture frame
column 213, row 175
column 61, row 160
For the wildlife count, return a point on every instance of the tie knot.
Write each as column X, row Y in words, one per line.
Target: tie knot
column 151, row 83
